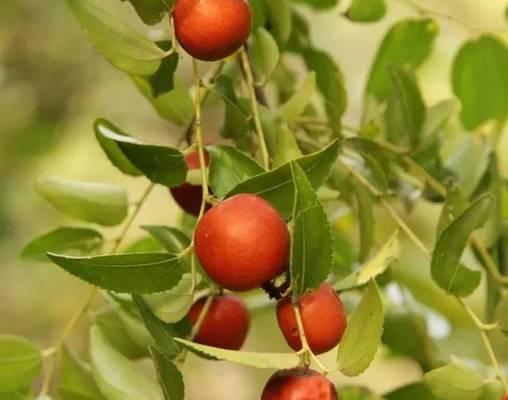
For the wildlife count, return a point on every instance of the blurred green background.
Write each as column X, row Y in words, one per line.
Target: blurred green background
column 53, row 85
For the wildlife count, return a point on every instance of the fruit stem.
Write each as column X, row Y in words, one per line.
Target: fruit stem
column 54, row 351
column 199, row 136
column 187, row 135
column 305, row 352
column 199, row 322
column 174, row 42
column 202, row 316
column 249, row 77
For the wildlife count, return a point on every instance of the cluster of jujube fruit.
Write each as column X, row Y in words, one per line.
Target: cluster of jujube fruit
column 243, row 242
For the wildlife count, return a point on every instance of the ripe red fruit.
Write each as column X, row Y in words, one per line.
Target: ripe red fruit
column 323, row 316
column 210, row 30
column 299, row 384
column 189, row 196
column 242, row 242
column 226, row 323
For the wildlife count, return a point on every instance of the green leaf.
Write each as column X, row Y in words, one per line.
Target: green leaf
column 114, row 328
column 122, row 46
column 176, row 105
column 408, row 42
column 134, row 327
column 173, row 305
column 230, row 167
column 296, row 104
column 330, row 83
column 144, row 245
column 414, row 391
column 405, row 333
column 277, row 186
column 264, row 54
column 163, row 80
column 279, row 19
column 236, row 118
column 446, row 270
column 118, row 378
column 65, row 241
column 136, row 273
column 371, row 148
column 343, row 254
column 492, row 391
column 101, row 203
column 21, row 394
column 280, row 140
column 437, row 116
column 479, row 80
column 163, row 333
column 319, row 4
column 256, row 360
column 455, row 204
column 160, row 164
column 76, row 380
column 454, row 381
column 386, row 256
column 258, row 14
column 366, row 10
column 356, row 393
column 311, row 246
column 170, row 378
column 405, row 113
column 365, row 206
column 492, row 183
column 103, row 128
column 467, row 173
column 172, row 239
column 151, row 11
column 20, row 363
column 363, row 333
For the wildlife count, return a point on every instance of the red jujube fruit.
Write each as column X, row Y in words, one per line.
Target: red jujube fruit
column 225, row 325
column 299, row 384
column 211, row 30
column 323, row 317
column 188, row 196
column 242, row 242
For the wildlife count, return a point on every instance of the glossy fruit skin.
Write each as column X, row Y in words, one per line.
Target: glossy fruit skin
column 323, row 316
column 189, row 196
column 226, row 323
column 242, row 242
column 299, row 384
column 211, row 30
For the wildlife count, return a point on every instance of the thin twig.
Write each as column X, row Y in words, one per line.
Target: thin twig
column 249, row 77
column 187, row 135
column 306, row 352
